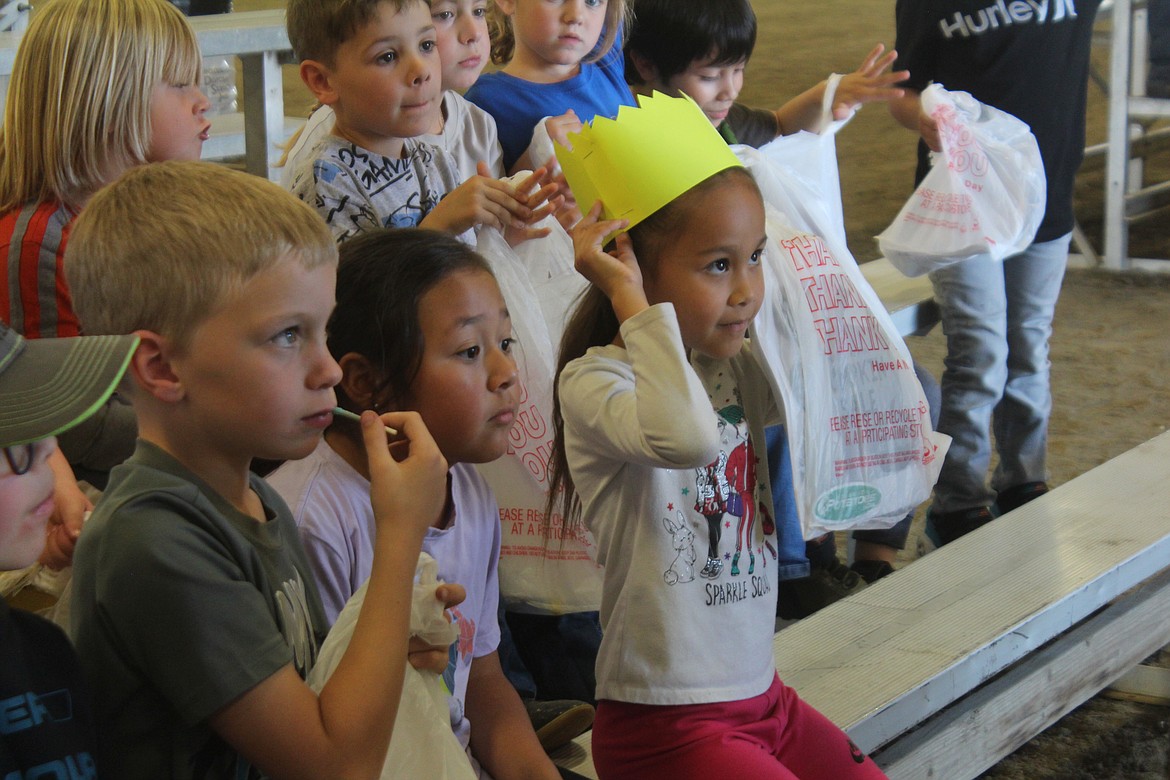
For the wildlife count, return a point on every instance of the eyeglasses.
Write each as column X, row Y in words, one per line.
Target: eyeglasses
column 20, row 458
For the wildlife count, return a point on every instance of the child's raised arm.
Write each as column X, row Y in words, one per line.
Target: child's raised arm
column 281, row 725
column 869, row 83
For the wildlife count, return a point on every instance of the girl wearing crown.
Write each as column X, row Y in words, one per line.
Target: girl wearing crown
column 652, row 356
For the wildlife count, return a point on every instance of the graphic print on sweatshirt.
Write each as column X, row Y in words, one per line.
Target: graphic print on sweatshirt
column 722, row 500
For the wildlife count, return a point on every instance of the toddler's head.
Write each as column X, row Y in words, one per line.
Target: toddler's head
column 420, row 325
column 687, row 202
column 700, row 252
column 695, row 47
column 47, row 386
column 554, row 34
column 97, row 87
column 376, row 62
column 318, row 28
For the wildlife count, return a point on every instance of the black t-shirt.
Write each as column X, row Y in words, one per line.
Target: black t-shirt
column 46, row 723
column 1029, row 58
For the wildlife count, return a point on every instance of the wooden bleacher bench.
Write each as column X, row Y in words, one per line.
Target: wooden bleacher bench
column 950, row 664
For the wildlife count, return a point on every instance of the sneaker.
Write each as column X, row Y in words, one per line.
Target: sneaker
column 1015, row 497
column 557, row 722
column 825, row 584
column 872, row 571
column 947, row 527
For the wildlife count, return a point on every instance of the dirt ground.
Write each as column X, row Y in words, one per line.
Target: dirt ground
column 1110, row 354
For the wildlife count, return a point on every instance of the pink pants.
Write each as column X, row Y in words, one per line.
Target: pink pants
column 773, row 735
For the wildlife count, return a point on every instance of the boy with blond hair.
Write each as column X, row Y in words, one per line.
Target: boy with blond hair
column 194, row 611
column 375, row 63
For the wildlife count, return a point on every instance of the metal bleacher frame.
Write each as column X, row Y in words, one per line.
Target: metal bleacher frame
column 1129, row 136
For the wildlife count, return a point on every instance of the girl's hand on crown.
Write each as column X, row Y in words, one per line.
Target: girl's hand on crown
column 616, row 273
column 406, row 491
column 481, row 200
column 869, row 83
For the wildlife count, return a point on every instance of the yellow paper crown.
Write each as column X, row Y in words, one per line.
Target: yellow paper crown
column 645, row 158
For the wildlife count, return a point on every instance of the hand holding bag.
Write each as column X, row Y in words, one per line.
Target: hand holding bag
column 423, row 743
column 984, row 195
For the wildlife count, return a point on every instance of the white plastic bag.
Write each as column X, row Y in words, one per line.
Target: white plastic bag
column 423, row 744
column 863, row 451
column 540, row 569
column 984, row 194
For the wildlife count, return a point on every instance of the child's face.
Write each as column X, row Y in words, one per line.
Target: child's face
column 257, row 379
column 462, row 34
column 713, row 87
column 555, row 33
column 710, row 269
column 385, row 84
column 178, row 122
column 467, row 389
column 26, row 501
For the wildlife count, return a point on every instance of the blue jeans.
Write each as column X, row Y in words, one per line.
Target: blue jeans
column 791, row 560
column 997, row 318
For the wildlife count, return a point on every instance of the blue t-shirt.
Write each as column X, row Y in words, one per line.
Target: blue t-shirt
column 518, row 105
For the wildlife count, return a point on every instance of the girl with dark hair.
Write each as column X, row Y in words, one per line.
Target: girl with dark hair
column 656, row 387
column 420, row 325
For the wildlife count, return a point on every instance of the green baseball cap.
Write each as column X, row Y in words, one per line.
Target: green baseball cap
column 47, row 386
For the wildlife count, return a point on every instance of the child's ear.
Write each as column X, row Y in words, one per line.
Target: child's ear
column 507, row 7
column 319, row 79
column 359, row 380
column 152, row 370
column 647, row 72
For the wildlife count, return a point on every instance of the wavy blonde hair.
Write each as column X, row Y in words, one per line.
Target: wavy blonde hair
column 78, row 108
